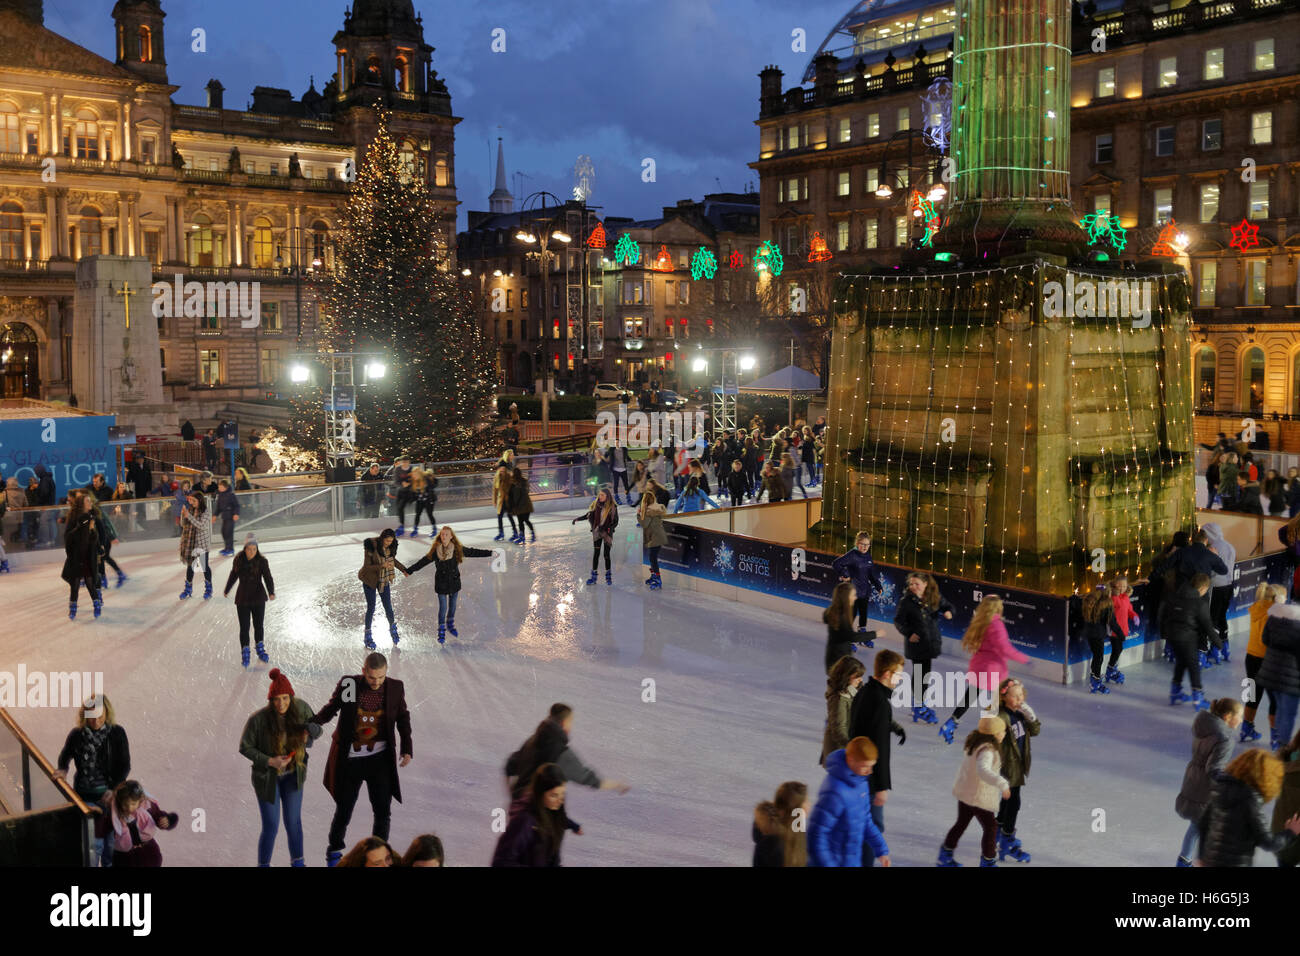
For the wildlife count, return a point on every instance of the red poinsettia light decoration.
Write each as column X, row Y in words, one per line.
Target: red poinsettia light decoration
column 1245, row 236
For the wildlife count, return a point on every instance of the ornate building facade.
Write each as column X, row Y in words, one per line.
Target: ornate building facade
column 97, row 159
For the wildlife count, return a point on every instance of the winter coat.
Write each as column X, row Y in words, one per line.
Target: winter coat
column 988, row 665
column 250, row 575
column 522, row 845
column 519, row 501
column 695, row 502
column 1288, row 804
column 372, row 488
column 549, row 745
column 1226, row 552
column 808, row 452
column 1280, row 671
column 1258, row 617
column 148, row 819
column 227, row 506
column 1211, row 751
column 839, row 642
column 841, row 818
column 734, row 482
column 872, row 716
column 1185, row 618
column 15, row 497
column 81, row 545
column 196, row 535
column 775, row 488
column 914, row 617
column 113, row 762
column 836, row 735
column 1248, row 500
column 787, row 479
column 1102, row 628
column 44, row 488
column 446, row 571
column 1228, row 471
column 1234, row 824
column 105, row 531
column 860, row 569
column 1195, row 559
column 178, row 500
column 1125, row 616
column 1015, row 766
column 500, row 491
column 258, row 743
column 652, row 526
column 373, row 574
column 601, row 530
column 978, row 782
column 397, row 723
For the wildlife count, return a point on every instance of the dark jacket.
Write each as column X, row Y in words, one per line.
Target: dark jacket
column 1185, row 618
column 1288, row 804
column 250, row 575
column 1195, row 559
column 44, row 488
column 550, row 744
column 446, row 572
column 1015, row 767
column 839, row 642
column 141, row 476
column 860, row 569
column 1211, row 750
column 1248, row 500
column 1234, row 824
column 519, row 502
column 113, row 762
column 769, row 850
column 397, row 721
column 914, row 617
column 841, row 818
column 227, row 506
column 1102, row 628
column 1281, row 668
column 372, row 488
column 522, row 844
column 735, row 482
column 187, row 431
column 873, row 716
column 258, row 743
column 600, row 530
column 372, row 565
column 81, row 545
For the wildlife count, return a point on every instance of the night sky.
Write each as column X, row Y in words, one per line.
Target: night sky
column 675, row 80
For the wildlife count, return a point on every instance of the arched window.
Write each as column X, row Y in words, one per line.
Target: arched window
column 263, row 244
column 201, row 241
column 320, row 233
column 374, row 74
column 409, row 155
column 146, row 45
column 441, row 171
column 402, row 75
column 1205, row 378
column 10, row 138
column 11, row 231
column 88, row 229
column 1252, row 380
column 86, row 135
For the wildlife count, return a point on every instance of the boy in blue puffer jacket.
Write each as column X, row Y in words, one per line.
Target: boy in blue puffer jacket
column 857, row 566
column 841, row 820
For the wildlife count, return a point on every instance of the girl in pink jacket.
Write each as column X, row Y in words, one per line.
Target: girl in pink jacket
column 989, row 646
column 130, row 820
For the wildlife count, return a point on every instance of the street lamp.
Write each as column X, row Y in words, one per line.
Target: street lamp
column 340, row 401
column 299, row 374
column 747, row 363
column 298, row 240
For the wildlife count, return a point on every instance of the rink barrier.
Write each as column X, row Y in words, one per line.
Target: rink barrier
column 41, row 816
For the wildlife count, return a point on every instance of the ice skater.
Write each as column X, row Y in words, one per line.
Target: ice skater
column 842, row 685
column 251, row 569
column 1211, row 750
column 537, row 822
column 81, row 548
column 550, row 744
column 424, row 486
column 1266, row 595
column 917, row 621
column 227, row 509
column 602, row 516
column 1126, row 619
column 856, row 566
column 778, row 831
column 872, row 716
column 374, row 726
column 1098, row 625
column 987, row 642
column 129, row 823
column 840, row 823
column 1022, row 724
column 446, row 554
column 379, row 567
column 651, row 516
column 1234, row 824
column 501, row 500
column 196, row 541
column 520, row 504
column 977, row 788
column 106, row 533
column 276, row 739
column 838, row 618
column 1184, row 621
column 99, row 746
column 1279, row 674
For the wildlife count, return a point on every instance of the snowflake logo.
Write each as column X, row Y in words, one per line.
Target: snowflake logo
column 887, row 594
column 724, row 558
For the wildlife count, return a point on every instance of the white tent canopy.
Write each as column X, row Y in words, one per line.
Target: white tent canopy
column 789, row 381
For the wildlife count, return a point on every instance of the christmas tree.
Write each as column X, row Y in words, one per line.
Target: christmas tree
column 394, row 294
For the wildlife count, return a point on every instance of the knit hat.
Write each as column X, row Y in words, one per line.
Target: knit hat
column 279, row 684
column 989, row 725
column 250, row 538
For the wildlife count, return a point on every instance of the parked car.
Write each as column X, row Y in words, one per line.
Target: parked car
column 669, row 399
column 608, row 390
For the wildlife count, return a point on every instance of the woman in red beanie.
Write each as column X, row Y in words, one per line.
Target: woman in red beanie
column 276, row 739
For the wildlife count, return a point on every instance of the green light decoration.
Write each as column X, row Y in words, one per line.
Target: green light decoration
column 930, row 216
column 704, row 264
column 1102, row 225
column 627, row 251
column 945, row 256
column 768, row 259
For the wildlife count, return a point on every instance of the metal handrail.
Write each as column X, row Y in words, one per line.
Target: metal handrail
column 30, row 750
column 293, row 504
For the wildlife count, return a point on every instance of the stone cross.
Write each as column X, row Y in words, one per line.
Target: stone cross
column 126, row 292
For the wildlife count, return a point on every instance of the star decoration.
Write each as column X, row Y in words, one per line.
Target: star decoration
column 1245, row 236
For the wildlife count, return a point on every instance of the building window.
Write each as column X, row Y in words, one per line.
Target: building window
column 89, row 232
column 1105, row 148
column 153, row 247
column 872, row 233
column 873, row 125
column 201, row 241
column 1256, row 284
column 726, row 290
column 11, row 231
column 846, row 130
column 1213, row 64
column 441, row 171
column 842, row 235
column 270, row 366
column 634, row 328
column 1106, row 81
column 1164, row 141
column 263, row 246
column 900, row 231
column 523, row 302
column 872, row 180
column 1261, row 127
column 1209, row 202
column 1205, row 373
column 683, row 293
column 1205, row 288
column 685, row 327
column 1101, row 203
column 1164, row 205
column 86, row 135
column 1252, row 379
column 1264, row 54
column 149, row 150
column 904, row 117
column 843, row 185
column 1211, row 134
column 1168, row 72
column 146, row 44
column 210, row 367
column 1258, row 201
column 633, row 292
column 271, row 317
column 10, row 135
column 319, row 239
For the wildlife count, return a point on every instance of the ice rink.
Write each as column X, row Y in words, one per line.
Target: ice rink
column 738, row 709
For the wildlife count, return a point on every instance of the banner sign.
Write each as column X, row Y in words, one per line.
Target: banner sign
column 72, row 449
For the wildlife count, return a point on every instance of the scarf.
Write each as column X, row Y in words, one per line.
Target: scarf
column 444, row 551
column 90, row 776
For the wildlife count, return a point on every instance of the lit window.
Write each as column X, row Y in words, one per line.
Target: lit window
column 1211, row 135
column 872, row 234
column 842, row 235
column 900, row 231
column 270, row 316
column 1106, row 81
column 1209, row 202
column 210, row 367
column 872, row 180
column 1256, row 286
column 846, row 130
column 1168, row 72
column 873, row 125
column 904, row 117
column 1206, row 287
column 270, row 366
column 1101, row 204
column 843, row 184
column 1164, row 141
column 1105, row 148
column 1264, row 54
column 1258, row 200
column 1261, row 127
column 1164, row 205
column 1213, row 64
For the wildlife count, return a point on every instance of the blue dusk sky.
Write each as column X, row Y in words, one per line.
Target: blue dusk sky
column 674, row 80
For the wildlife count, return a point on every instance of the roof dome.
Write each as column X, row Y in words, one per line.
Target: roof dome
column 380, row 17
column 872, row 28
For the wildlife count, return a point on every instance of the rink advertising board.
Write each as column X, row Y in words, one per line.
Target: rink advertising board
column 1036, row 622
column 72, row 448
